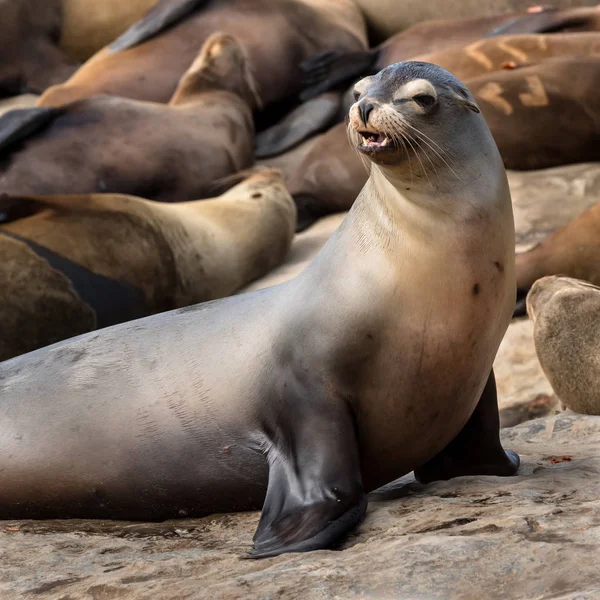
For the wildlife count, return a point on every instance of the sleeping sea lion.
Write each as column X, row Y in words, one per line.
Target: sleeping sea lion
column 543, row 115
column 566, row 332
column 89, row 26
column 387, row 17
column 328, row 70
column 374, row 361
column 162, row 152
column 510, row 51
column 72, row 264
column 572, row 250
column 146, row 62
column 30, row 59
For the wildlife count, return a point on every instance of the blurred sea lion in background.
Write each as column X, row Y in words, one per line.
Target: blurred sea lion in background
column 543, row 115
column 387, row 17
column 162, row 152
column 146, row 62
column 572, row 250
column 30, row 59
column 566, row 333
column 88, row 26
column 72, row 264
column 328, row 70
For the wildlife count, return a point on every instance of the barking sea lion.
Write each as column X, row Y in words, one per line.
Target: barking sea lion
column 376, row 360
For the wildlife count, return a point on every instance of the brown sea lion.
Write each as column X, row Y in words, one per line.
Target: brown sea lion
column 30, row 59
column 329, row 70
column 375, row 361
column 510, row 51
column 572, row 250
column 146, row 62
column 543, row 115
column 162, row 152
column 566, row 334
column 388, row 17
column 89, row 26
column 71, row 264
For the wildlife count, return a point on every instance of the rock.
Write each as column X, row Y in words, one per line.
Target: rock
column 536, row 535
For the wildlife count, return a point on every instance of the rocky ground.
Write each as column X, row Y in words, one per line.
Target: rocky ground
column 534, row 536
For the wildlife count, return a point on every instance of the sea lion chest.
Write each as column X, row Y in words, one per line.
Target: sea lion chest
column 416, row 329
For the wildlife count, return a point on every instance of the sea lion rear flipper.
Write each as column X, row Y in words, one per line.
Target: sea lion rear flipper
column 328, row 70
column 307, row 119
column 547, row 20
column 17, row 125
column 315, row 494
column 156, row 20
column 477, row 449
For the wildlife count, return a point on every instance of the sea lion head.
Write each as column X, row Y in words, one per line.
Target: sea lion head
column 222, row 64
column 408, row 112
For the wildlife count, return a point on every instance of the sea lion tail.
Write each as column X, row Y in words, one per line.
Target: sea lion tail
column 17, row 125
column 327, row 70
column 544, row 20
column 165, row 14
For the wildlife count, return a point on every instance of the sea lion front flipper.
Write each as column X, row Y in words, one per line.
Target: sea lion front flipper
column 17, row 125
column 327, row 70
column 477, row 449
column 307, row 119
column 157, row 19
column 546, row 20
column 315, row 493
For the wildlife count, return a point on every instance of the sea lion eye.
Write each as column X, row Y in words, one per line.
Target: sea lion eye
column 356, row 95
column 424, row 100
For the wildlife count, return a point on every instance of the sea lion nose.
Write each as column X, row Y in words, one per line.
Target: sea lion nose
column 364, row 110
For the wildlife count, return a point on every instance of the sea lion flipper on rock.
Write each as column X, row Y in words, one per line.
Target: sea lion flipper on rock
column 308, row 119
column 327, row 70
column 163, row 15
column 17, row 125
column 477, row 449
column 315, row 493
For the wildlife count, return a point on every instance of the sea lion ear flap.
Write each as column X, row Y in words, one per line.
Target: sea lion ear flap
column 464, row 98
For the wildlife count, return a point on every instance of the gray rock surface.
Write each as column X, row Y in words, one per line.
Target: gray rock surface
column 533, row 536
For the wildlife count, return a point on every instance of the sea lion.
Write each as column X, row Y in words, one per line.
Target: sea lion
column 162, row 152
column 89, row 26
column 510, row 51
column 387, row 17
column 543, row 115
column 374, row 361
column 572, row 250
column 72, row 264
column 429, row 41
column 146, row 62
column 566, row 333
column 30, row 60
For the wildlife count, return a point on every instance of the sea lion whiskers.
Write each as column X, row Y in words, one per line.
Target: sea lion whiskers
column 354, row 140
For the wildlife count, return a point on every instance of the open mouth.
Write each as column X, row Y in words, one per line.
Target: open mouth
column 374, row 141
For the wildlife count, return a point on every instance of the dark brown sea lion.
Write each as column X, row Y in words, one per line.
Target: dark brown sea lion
column 572, row 250
column 328, row 70
column 510, row 51
column 277, row 35
column 375, row 361
column 162, row 152
column 71, row 264
column 543, row 115
column 387, row 17
column 30, row 59
column 566, row 332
